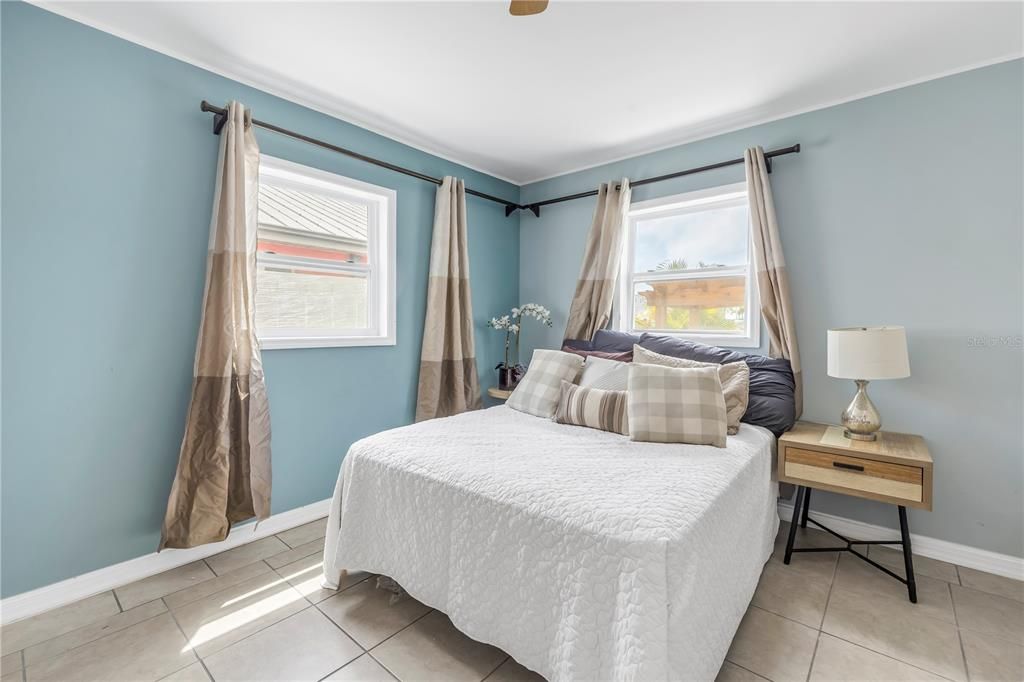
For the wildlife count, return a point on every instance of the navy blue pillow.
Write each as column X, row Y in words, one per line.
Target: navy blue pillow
column 606, row 341
column 772, row 388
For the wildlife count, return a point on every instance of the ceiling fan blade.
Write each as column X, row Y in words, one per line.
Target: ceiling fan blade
column 523, row 8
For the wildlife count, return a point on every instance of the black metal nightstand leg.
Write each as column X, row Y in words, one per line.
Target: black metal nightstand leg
column 908, row 560
column 807, row 507
column 801, row 491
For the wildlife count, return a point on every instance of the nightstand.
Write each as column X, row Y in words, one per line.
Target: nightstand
column 896, row 468
column 498, row 394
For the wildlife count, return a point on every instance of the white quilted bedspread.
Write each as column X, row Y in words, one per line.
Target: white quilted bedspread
column 582, row 554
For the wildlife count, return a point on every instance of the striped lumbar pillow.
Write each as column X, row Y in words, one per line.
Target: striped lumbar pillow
column 592, row 407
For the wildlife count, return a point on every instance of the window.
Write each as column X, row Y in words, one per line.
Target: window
column 687, row 269
column 325, row 259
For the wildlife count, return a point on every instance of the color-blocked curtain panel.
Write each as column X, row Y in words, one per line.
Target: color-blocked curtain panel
column 448, row 382
column 223, row 471
column 770, row 266
column 591, row 306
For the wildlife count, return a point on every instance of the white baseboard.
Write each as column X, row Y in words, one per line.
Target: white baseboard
column 64, row 592
column 951, row 552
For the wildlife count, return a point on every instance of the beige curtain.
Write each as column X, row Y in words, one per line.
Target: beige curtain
column 595, row 290
column 772, row 278
column 224, row 467
column 448, row 379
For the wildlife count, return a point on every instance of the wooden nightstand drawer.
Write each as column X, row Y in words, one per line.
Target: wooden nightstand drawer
column 893, row 481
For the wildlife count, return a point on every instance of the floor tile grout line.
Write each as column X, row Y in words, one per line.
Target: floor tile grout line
column 384, row 667
column 791, row 620
column 83, row 644
column 256, row 632
column 758, row 675
column 959, row 633
column 343, row 631
column 889, row 656
column 394, row 634
column 215, row 576
column 828, row 599
column 187, row 643
column 116, row 600
column 814, row 654
column 503, row 662
column 882, row 653
column 990, row 594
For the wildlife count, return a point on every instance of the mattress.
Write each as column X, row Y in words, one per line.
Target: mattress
column 582, row 554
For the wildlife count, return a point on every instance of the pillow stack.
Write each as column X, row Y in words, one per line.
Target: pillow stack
column 656, row 398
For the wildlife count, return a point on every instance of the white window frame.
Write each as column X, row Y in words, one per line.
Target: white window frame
column 690, row 202
column 381, row 263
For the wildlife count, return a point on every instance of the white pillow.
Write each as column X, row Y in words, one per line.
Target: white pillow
column 604, row 374
column 538, row 391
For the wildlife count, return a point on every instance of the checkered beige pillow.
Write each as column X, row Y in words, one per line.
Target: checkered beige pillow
column 676, row 405
column 592, row 407
column 538, row 391
column 735, row 378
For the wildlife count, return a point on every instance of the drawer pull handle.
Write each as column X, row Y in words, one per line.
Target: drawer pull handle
column 851, row 467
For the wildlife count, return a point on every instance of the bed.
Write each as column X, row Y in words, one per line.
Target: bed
column 582, row 554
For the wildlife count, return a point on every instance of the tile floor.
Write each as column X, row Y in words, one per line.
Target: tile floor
column 257, row 612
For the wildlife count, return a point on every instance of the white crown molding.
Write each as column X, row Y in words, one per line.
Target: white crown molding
column 278, row 87
column 20, row 606
column 744, row 121
column 962, row 555
column 281, row 87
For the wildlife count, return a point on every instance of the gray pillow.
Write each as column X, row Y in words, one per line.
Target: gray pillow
column 604, row 374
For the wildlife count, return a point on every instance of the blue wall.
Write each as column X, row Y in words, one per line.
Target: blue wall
column 903, row 208
column 108, row 169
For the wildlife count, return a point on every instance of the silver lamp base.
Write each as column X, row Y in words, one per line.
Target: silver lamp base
column 861, row 420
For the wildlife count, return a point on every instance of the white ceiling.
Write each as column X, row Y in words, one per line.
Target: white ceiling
column 584, row 83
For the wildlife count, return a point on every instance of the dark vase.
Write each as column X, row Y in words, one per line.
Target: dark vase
column 508, row 377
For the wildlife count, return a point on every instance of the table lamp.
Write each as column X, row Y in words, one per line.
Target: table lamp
column 864, row 354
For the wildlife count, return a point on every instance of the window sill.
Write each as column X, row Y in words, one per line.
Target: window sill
column 284, row 343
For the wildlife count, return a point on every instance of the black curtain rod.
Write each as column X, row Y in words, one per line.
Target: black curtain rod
column 535, row 206
column 220, row 117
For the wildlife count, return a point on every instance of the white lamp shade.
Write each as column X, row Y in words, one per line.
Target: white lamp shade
column 868, row 353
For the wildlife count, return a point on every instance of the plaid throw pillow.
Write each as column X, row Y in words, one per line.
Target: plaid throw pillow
column 538, row 391
column 670, row 405
column 592, row 407
column 735, row 378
